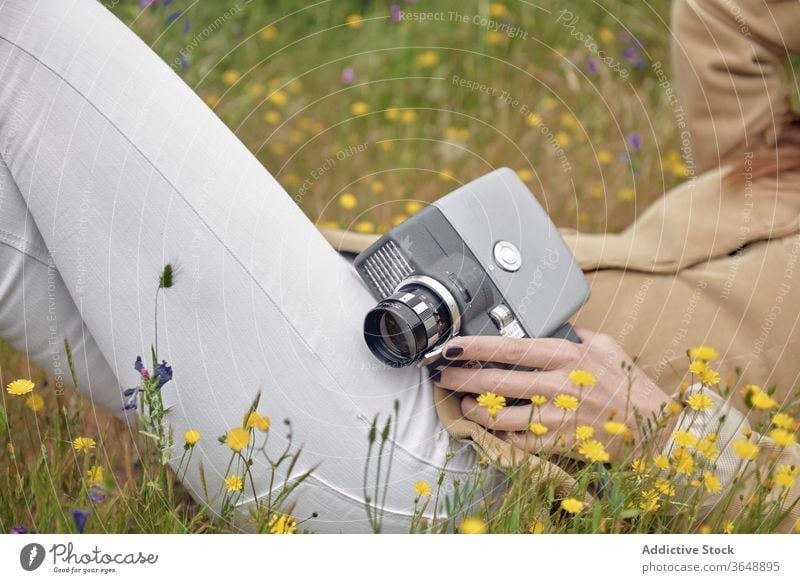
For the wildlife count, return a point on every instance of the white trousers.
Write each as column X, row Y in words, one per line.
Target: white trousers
column 110, row 167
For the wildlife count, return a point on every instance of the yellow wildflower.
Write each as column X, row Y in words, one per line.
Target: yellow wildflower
column 94, row 475
column 684, row 462
column 525, row 175
column 762, row 400
column 707, row 447
column 747, row 450
column 537, row 527
column 234, row 483
column 408, row 116
column 422, row 488
column 364, row 227
column 538, row 400
column 348, row 200
column 605, row 157
column 583, row 432
column 268, row 33
column 492, row 402
column 704, row 353
column 783, row 421
column 34, row 402
column 605, row 36
column 661, row 462
column 571, row 505
column 785, row 476
column 497, row 10
column 20, row 387
column 191, row 437
column 427, row 59
column 700, row 402
column 684, row 438
column 278, row 97
column 254, row 419
column 538, row 429
column 582, row 378
column 665, row 487
column 359, row 108
column 566, row 402
column 354, row 21
column 782, row 437
column 230, row 77
column 650, row 501
column 533, row 119
column 83, row 444
column 711, row 482
column 282, row 524
column 615, row 427
column 593, row 450
column 627, row 194
column 377, row 187
column 473, row 525
column 413, row 207
column 238, row 438
column 639, row 466
column 272, row 117
column 727, row 527
column 706, row 374
column 562, row 139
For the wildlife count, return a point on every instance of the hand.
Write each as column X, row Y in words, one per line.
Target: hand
column 618, row 394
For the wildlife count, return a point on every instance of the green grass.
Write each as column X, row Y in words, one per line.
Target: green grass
column 406, row 134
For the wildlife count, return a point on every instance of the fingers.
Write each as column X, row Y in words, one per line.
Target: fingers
column 541, row 353
column 509, row 383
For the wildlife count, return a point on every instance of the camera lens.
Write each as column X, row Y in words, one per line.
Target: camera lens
column 407, row 324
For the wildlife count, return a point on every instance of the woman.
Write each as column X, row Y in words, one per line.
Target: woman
column 113, row 167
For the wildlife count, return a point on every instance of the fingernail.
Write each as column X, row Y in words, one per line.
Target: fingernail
column 435, row 375
column 453, row 351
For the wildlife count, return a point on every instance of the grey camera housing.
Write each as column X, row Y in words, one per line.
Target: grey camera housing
column 491, row 244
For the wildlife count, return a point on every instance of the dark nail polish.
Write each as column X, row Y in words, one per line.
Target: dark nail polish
column 453, row 351
column 435, row 375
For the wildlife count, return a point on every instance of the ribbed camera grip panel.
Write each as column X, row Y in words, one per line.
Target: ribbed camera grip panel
column 387, row 267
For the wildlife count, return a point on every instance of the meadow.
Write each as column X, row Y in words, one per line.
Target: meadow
column 365, row 111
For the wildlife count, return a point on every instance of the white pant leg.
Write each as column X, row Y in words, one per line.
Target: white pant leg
column 36, row 310
column 97, row 131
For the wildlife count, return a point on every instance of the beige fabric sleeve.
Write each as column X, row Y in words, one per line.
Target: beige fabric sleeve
column 730, row 425
column 727, row 57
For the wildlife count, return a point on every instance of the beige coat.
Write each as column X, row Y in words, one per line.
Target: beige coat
column 710, row 263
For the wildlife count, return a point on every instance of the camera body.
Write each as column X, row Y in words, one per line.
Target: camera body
column 483, row 260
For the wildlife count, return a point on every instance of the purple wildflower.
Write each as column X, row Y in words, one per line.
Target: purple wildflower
column 80, row 517
column 187, row 25
column 396, row 12
column 163, row 374
column 146, row 3
column 18, row 529
column 96, row 494
column 129, row 399
column 172, row 17
column 635, row 140
column 348, row 76
column 139, row 366
column 591, row 67
column 184, row 61
column 631, row 54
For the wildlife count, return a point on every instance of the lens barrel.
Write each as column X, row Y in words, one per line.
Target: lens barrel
column 410, row 322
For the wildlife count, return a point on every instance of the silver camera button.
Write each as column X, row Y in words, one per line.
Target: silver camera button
column 507, row 256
